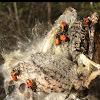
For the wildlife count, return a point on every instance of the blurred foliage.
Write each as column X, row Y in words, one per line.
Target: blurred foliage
column 29, row 12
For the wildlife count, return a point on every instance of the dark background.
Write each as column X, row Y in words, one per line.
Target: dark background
column 28, row 12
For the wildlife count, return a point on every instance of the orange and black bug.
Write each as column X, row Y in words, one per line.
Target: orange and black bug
column 57, row 39
column 86, row 20
column 86, row 23
column 30, row 85
column 14, row 74
column 63, row 27
column 63, row 37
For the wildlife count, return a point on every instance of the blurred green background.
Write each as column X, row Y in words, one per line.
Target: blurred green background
column 28, row 12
